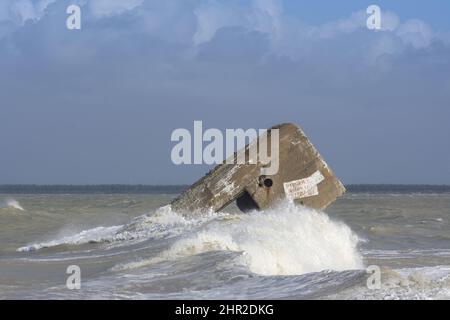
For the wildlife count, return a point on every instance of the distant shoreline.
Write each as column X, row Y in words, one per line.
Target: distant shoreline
column 175, row 189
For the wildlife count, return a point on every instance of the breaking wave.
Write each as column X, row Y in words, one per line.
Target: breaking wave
column 288, row 240
column 288, row 252
column 420, row 283
column 163, row 223
column 98, row 234
column 12, row 204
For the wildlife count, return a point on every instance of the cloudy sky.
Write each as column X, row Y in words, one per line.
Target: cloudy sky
column 98, row 105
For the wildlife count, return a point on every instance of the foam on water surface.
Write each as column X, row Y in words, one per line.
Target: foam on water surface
column 11, row 204
column 286, row 252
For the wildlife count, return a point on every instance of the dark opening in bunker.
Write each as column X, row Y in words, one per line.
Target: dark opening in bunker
column 268, row 182
column 245, row 202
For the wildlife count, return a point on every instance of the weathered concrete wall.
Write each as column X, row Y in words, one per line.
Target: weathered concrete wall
column 303, row 176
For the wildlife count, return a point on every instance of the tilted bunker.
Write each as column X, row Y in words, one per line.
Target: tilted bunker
column 303, row 176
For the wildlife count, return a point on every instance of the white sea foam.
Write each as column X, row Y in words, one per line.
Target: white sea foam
column 12, row 204
column 421, row 283
column 162, row 223
column 287, row 240
column 97, row 234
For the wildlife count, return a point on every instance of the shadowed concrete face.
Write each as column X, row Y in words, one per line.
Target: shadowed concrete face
column 303, row 176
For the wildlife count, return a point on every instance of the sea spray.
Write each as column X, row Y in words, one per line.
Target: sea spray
column 287, row 240
column 413, row 255
column 98, row 234
column 12, row 204
column 162, row 223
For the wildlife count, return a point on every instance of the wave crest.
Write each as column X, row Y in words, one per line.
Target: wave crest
column 288, row 240
column 12, row 204
column 162, row 223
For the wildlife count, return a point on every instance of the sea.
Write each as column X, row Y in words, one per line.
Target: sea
column 372, row 243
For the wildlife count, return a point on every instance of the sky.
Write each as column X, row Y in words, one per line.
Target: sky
column 98, row 105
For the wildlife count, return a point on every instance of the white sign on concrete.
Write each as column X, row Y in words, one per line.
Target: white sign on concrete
column 303, row 188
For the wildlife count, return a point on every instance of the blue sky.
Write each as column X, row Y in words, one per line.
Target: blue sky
column 98, row 105
column 434, row 13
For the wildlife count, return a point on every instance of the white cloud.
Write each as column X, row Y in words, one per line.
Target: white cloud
column 389, row 21
column 416, row 33
column 20, row 11
column 290, row 37
column 196, row 22
column 213, row 15
column 102, row 8
column 261, row 15
column 266, row 16
column 355, row 21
